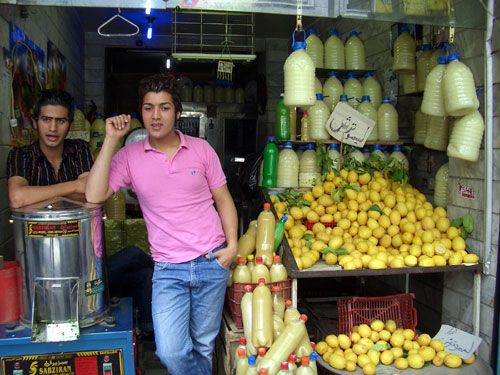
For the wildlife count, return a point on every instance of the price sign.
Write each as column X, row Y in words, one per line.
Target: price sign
column 349, row 126
column 458, row 342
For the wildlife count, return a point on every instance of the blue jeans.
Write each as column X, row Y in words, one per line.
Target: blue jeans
column 187, row 309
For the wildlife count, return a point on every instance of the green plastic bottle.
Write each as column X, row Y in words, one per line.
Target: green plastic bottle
column 279, row 231
column 282, row 131
column 270, row 164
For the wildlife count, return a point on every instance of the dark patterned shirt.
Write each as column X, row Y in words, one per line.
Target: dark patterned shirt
column 30, row 162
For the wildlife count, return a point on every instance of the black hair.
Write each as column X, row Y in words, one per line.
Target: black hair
column 54, row 97
column 158, row 83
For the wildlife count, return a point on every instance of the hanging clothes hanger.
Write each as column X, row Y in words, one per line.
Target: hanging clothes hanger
column 118, row 15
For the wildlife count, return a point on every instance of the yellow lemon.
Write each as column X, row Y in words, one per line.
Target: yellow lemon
column 377, row 325
column 344, row 341
column 350, row 366
column 390, row 325
column 427, row 353
column 369, row 369
column 397, row 340
column 458, row 244
column 317, row 191
column 337, row 362
column 470, row 360
column 364, row 330
column 437, row 361
column 332, row 341
column 471, row 258
column 452, row 361
column 387, row 358
column 452, row 232
column 424, row 339
column 321, row 347
column 374, row 356
column 411, row 260
column 409, row 334
column 363, row 359
column 415, row 361
column 330, row 259
column 443, row 223
column 312, row 217
column 397, row 352
column 401, row 363
column 360, row 349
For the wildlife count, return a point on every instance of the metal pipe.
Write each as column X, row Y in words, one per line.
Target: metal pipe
column 476, row 308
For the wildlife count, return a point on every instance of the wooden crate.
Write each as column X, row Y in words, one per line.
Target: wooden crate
column 226, row 344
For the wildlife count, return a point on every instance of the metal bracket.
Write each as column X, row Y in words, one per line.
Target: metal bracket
column 118, row 15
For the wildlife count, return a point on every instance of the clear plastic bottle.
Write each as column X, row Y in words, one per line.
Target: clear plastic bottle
column 353, row 89
column 334, row 51
column 78, row 119
column 198, row 94
column 284, row 368
column 318, row 87
column 334, row 155
column 241, row 346
column 278, row 270
column 229, row 95
column 433, row 100
column 219, row 94
column 304, row 349
column 459, row 89
column 372, row 88
column 241, row 362
column 466, row 137
column 305, row 127
column 308, row 167
column 366, row 152
column 304, row 368
column 239, row 95
column 318, row 116
column 115, row 206
column 437, row 133
column 291, row 314
column 246, row 243
column 441, row 186
column 409, row 82
column 261, row 352
column 420, row 128
column 440, row 50
column 208, row 94
column 397, row 153
column 357, row 155
column 292, row 364
column 404, row 53
column 278, row 327
column 241, row 273
column 264, row 240
column 285, row 344
column 332, row 89
column 315, row 48
column 262, row 316
column 263, row 371
column 293, row 123
column 312, row 363
column 98, row 129
column 260, row 271
column 299, row 77
column 288, row 167
column 282, row 124
column 355, row 58
column 246, row 315
column 270, row 164
column 377, row 150
column 252, row 366
column 423, row 66
column 186, row 93
column 387, row 121
column 278, row 302
column 367, row 109
column 251, row 260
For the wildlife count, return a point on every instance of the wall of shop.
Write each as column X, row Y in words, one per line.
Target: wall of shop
column 62, row 26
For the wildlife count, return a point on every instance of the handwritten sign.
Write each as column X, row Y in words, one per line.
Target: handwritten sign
column 458, row 342
column 349, row 126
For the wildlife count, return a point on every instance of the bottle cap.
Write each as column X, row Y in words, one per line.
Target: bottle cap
column 241, row 260
column 261, row 351
column 248, row 288
column 303, row 317
column 351, row 75
column 370, row 73
column 354, row 33
column 442, row 60
column 310, row 146
column 304, row 114
column 258, row 260
column 284, row 218
column 288, row 145
column 271, row 139
column 313, row 356
column 334, row 32
column 313, row 31
column 386, row 99
column 267, row 206
column 344, row 98
column 251, row 360
column 333, row 146
column 299, row 45
column 250, row 257
column 241, row 352
column 282, row 95
column 275, row 289
column 319, row 96
column 365, row 149
column 365, row 98
column 263, row 371
column 377, row 147
column 304, row 361
column 454, row 56
column 397, row 148
column 288, row 303
column 313, row 345
column 277, row 259
column 243, row 340
column 332, row 73
column 284, row 366
column 262, row 281
column 292, row 358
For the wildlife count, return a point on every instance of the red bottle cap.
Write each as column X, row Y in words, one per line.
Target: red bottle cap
column 288, row 303
column 275, row 289
column 277, row 259
column 262, row 281
column 267, row 206
column 243, row 340
column 304, row 361
column 313, row 345
column 241, row 260
column 292, row 358
column 303, row 317
column 304, row 114
column 284, row 366
column 263, row 371
column 261, row 351
column 248, row 288
column 241, row 353
column 259, row 260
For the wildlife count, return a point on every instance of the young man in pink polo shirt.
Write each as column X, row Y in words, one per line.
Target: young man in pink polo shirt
column 191, row 221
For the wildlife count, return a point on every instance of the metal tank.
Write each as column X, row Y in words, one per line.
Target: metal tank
column 59, row 245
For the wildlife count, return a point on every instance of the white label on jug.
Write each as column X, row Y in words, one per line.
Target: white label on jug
column 349, row 126
column 465, row 191
column 458, row 342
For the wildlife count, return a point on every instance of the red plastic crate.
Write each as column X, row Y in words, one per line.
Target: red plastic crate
column 235, row 293
column 309, row 225
column 363, row 310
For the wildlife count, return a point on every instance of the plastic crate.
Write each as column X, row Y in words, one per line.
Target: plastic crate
column 235, row 293
column 363, row 310
column 309, row 225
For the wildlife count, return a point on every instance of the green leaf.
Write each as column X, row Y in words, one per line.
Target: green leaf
column 376, row 207
column 308, row 237
column 468, row 223
column 341, row 251
column 457, row 223
column 378, row 347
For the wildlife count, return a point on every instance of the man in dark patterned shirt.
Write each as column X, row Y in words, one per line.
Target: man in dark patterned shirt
column 52, row 166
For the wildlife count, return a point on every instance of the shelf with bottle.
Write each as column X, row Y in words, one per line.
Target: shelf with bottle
column 334, row 141
column 417, row 94
column 323, row 73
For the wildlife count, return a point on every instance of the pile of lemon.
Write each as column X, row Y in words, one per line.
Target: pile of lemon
column 379, row 224
column 386, row 344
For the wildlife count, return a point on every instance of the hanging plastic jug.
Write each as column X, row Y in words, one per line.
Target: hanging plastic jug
column 304, row 349
column 372, row 88
column 367, row 109
column 219, row 94
column 423, row 66
column 304, row 368
column 313, row 357
column 437, row 133
column 239, row 96
column 404, row 52
column 291, row 313
column 284, row 369
column 241, row 362
column 278, row 327
column 409, row 82
column 299, row 77
column 305, row 127
column 261, row 352
column 315, row 47
column 377, row 150
column 397, row 154
column 332, row 89
column 264, row 241
column 420, row 128
column 282, row 130
column 357, row 155
column 251, row 262
column 279, row 228
column 354, row 52
column 262, row 316
column 441, row 186
column 308, row 167
column 252, row 366
column 278, row 302
column 241, row 346
column 198, row 94
column 115, row 206
column 78, row 119
column 318, row 116
column 208, row 94
column 278, row 271
column 334, row 51
column 260, row 271
column 288, row 167
column 387, row 121
column 270, row 164
column 353, row 89
column 318, row 87
column 246, row 243
column 440, row 50
column 334, row 155
column 246, row 315
column 466, row 137
column 241, row 273
column 459, row 90
column 433, row 100
column 292, row 363
column 98, row 129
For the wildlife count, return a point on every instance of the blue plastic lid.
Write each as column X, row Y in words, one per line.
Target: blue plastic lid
column 284, row 218
column 271, row 139
column 386, row 99
column 377, row 148
column 344, row 98
column 454, row 56
column 319, row 96
column 333, row 146
column 365, row 149
column 370, row 73
column 332, row 73
column 288, row 145
column 134, row 115
column 313, row 356
column 397, row 148
column 299, row 45
column 442, row 60
column 404, row 29
column 310, row 146
column 98, row 115
column 351, row 75
column 427, row 47
column 313, row 31
column 444, row 45
column 354, row 33
column 251, row 360
column 334, row 32
column 77, row 106
column 365, row 98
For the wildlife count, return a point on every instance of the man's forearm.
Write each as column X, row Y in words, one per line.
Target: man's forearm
column 26, row 195
column 229, row 219
column 97, row 182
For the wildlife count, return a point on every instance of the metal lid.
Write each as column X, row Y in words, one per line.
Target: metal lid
column 58, row 208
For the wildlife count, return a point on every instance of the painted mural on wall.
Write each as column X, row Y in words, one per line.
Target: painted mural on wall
column 56, row 68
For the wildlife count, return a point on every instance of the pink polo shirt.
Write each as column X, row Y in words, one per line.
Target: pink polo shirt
column 175, row 196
